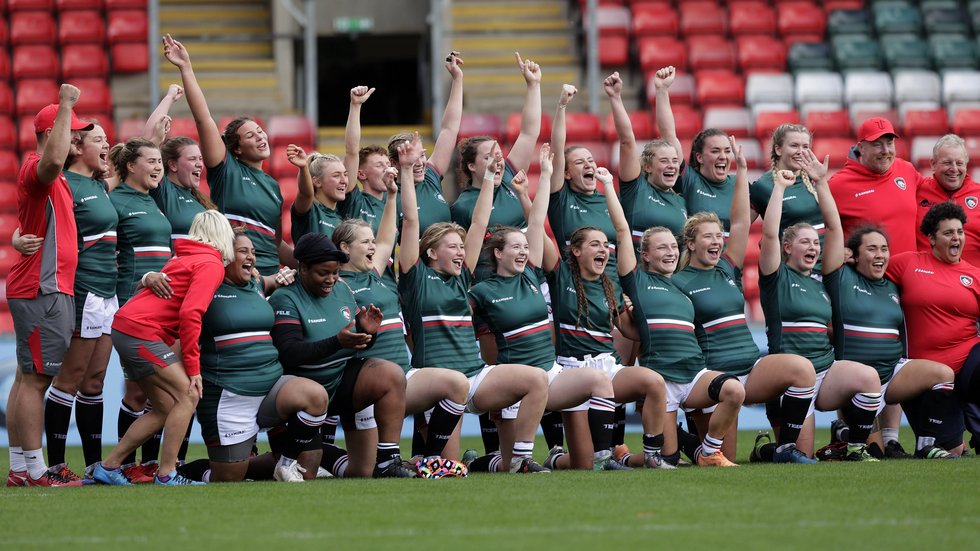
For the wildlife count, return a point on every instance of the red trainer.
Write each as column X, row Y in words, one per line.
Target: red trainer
column 137, row 474
column 55, row 478
column 16, row 478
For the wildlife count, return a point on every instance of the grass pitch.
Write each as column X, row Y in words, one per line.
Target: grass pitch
column 887, row 505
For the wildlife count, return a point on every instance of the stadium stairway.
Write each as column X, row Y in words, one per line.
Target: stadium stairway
column 232, row 49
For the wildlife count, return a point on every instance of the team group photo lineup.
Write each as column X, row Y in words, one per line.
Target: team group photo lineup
column 559, row 291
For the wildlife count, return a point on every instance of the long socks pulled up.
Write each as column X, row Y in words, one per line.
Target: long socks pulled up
column 89, row 410
column 488, row 431
column 57, row 418
column 553, row 428
column 302, row 431
column 127, row 416
column 445, row 416
column 792, row 413
column 602, row 422
column 859, row 414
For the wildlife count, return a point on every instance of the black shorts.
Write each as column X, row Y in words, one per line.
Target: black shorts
column 342, row 398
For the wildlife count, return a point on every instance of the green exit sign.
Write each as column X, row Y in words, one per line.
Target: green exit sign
column 353, row 24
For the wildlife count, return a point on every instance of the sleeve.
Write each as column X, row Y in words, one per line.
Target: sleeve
column 205, row 279
column 218, row 175
column 682, row 181
column 461, row 212
column 897, row 265
column 287, row 335
column 32, row 183
column 629, row 285
column 556, row 204
column 732, row 271
column 759, row 193
column 348, row 207
column 480, row 325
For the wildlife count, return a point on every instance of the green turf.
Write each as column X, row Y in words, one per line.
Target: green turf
column 889, row 505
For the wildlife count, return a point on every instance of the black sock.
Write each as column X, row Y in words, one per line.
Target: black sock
column 279, row 440
column 418, row 439
column 150, row 450
column 792, row 413
column 687, row 442
column 602, row 422
column 773, row 410
column 673, row 458
column 488, row 430
column 619, row 430
column 57, row 418
column 182, row 452
column 334, row 459
column 935, row 404
column 652, row 443
column 126, row 418
column 553, row 428
column 445, row 416
column 302, row 430
column 194, row 470
column 484, row 463
column 88, row 420
column 859, row 414
column 387, row 452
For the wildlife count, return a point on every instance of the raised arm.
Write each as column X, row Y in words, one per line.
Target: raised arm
column 352, row 132
column 536, row 236
column 629, row 158
column 56, row 149
column 522, row 152
column 408, row 253
column 212, row 146
column 833, row 237
column 770, row 255
column 625, row 255
column 304, row 198
column 741, row 217
column 442, row 152
column 665, row 116
column 481, row 216
column 384, row 242
column 558, row 136
column 158, row 125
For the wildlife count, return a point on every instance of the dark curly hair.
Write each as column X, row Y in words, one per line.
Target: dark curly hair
column 939, row 212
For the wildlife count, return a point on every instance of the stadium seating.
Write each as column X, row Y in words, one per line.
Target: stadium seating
column 129, row 57
column 83, row 60
column 32, row 27
column 613, row 50
column 819, row 87
column 687, row 121
column 702, row 18
column 766, row 122
column 29, row 5
column 961, row 86
column 966, row 122
column 919, row 122
column 896, row 17
column 849, row 22
column 802, row 20
column 751, row 18
column 681, row 92
column 184, row 126
column 33, row 94
column 8, row 197
column 512, row 128
column 720, row 88
column 481, row 124
column 829, row 123
column 655, row 19
column 9, row 165
column 810, row 57
column 761, row 53
column 97, row 97
column 126, row 26
column 953, row 51
column 857, row 52
column 710, row 52
column 67, row 5
column 734, row 121
column 769, row 88
column 8, row 133
column 860, row 86
column 656, row 52
column 906, row 51
column 6, row 99
column 81, row 26
column 917, row 86
column 287, row 129
column 642, row 122
column 582, row 127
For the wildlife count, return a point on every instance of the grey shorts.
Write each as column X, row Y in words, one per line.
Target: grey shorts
column 43, row 326
column 140, row 358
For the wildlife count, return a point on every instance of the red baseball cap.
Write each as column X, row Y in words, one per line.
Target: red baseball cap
column 45, row 120
column 874, row 128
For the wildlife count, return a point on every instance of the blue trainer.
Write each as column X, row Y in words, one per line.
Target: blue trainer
column 790, row 454
column 112, row 477
column 175, row 479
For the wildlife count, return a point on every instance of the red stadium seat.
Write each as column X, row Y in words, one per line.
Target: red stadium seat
column 512, row 128
column 64, row 5
column 687, row 121
column 801, row 18
column 278, row 164
column 184, row 126
column 751, row 18
column 5, row 68
column 8, row 221
column 702, row 18
column 32, row 27
column 131, row 128
column 831, row 5
column 966, row 122
column 34, row 94
column 720, row 88
column 83, row 60
column 837, row 148
column 102, row 119
column 601, row 151
column 127, row 26
column 289, row 188
column 26, row 138
column 614, row 51
column 8, row 133
column 8, row 257
column 4, row 30
column 582, row 127
column 28, row 5
column 972, row 146
column 95, row 98
column 611, row 20
column 125, row 4
column 130, row 57
column 35, row 61
column 931, row 122
column 767, row 121
column 481, row 124
column 8, row 199
column 710, row 52
column 682, row 91
column 6, row 99
column 655, row 19
column 10, row 166
column 658, row 52
column 287, row 129
column 81, row 27
column 642, row 122
column 761, row 53
column 829, row 123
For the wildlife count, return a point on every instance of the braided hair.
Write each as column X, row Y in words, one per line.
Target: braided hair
column 574, row 242
column 778, row 136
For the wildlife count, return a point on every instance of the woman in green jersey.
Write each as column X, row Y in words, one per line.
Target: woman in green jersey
column 800, row 201
column 711, row 276
column 869, row 327
column 436, row 273
column 798, row 311
column 322, row 183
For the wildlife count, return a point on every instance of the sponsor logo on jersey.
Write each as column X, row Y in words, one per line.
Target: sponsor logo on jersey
column 696, row 291
column 656, row 288
column 570, row 290
column 345, row 311
column 505, row 299
column 797, row 286
column 706, row 194
column 900, row 182
column 921, row 271
column 860, row 290
column 90, row 197
column 327, row 224
column 511, row 193
column 533, row 289
column 730, row 282
column 283, row 313
column 136, row 213
column 317, row 320
column 224, row 296
column 866, row 192
column 966, row 280
column 971, row 202
column 577, row 208
column 657, row 201
column 894, row 298
column 248, row 179
column 788, row 197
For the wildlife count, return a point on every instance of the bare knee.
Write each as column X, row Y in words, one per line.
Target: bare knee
column 801, row 373
column 867, row 380
column 601, row 384
column 732, row 392
column 655, row 387
column 457, row 386
column 941, row 373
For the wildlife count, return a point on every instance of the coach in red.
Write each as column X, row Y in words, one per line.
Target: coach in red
column 40, row 288
column 951, row 182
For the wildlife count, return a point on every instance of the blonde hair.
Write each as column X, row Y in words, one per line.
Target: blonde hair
column 789, row 235
column 778, row 135
column 646, row 156
column 318, row 161
column 690, row 233
column 434, row 234
column 212, row 228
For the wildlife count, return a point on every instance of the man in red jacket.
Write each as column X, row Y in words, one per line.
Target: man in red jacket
column 875, row 186
column 40, row 290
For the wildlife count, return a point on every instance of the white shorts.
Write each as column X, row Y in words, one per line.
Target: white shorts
column 677, row 393
column 553, row 373
column 97, row 316
column 603, row 362
column 884, row 388
column 816, row 390
column 364, row 419
column 237, row 417
column 509, row 412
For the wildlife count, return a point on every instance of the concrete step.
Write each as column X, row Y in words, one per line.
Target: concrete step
column 248, row 65
column 211, row 13
column 232, row 49
column 530, row 46
column 463, row 10
column 370, row 134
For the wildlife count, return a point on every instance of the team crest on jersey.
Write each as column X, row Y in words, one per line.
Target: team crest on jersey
column 971, row 202
column 966, row 280
column 511, row 193
column 900, row 182
column 534, row 289
column 894, row 298
column 346, row 312
column 443, row 199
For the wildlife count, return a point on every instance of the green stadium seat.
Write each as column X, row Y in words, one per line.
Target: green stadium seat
column 856, row 51
column 906, row 51
column 953, row 51
column 806, row 56
column 849, row 22
column 951, row 21
column 932, row 5
column 896, row 17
